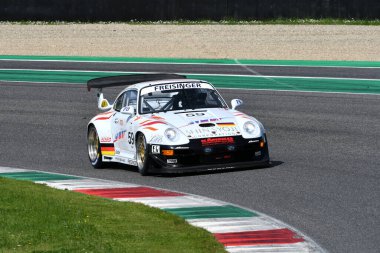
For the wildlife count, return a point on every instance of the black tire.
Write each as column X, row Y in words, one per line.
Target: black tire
column 93, row 146
column 142, row 156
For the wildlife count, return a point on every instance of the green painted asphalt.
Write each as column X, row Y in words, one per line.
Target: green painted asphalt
column 36, row 176
column 368, row 64
column 206, row 212
column 51, row 76
column 241, row 82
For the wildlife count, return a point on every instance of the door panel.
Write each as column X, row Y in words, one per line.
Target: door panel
column 122, row 127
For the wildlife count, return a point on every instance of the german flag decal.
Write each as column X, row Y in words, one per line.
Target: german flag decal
column 107, row 149
column 227, row 124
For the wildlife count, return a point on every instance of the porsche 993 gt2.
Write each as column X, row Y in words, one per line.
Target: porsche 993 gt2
column 168, row 123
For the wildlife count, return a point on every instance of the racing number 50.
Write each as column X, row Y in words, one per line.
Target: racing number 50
column 131, row 140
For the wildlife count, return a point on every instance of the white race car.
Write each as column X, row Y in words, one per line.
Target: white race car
column 167, row 123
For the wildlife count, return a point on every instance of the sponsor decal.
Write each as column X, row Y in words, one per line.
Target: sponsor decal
column 105, row 139
column 171, row 160
column 258, row 153
column 204, row 121
column 222, row 168
column 132, row 162
column 156, row 139
column 181, row 148
column 202, row 132
column 226, row 124
column 253, row 141
column 155, row 149
column 121, row 122
column 120, row 135
column 131, row 138
column 217, row 141
column 195, row 114
column 104, row 103
column 238, row 101
column 120, row 159
column 125, row 109
column 175, row 86
column 107, row 149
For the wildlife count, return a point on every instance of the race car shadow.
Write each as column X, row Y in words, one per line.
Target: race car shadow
column 120, row 166
column 186, row 174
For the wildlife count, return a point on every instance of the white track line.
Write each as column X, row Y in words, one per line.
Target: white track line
column 198, row 74
column 286, row 248
column 74, row 184
column 175, row 202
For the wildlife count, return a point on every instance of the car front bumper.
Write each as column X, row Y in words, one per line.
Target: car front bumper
column 211, row 154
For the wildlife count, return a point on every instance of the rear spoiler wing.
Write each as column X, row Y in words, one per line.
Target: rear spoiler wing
column 124, row 80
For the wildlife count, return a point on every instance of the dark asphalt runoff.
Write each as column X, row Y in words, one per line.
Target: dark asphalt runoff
column 325, row 149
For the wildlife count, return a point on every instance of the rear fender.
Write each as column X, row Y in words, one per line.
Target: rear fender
column 103, row 127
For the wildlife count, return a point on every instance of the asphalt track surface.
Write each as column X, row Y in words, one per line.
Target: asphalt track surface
column 298, row 71
column 325, row 149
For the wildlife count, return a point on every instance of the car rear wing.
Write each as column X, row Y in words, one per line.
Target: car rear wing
column 124, row 80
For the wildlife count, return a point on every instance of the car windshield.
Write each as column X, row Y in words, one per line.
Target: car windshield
column 179, row 96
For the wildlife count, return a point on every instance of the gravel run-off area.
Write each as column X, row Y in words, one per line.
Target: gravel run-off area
column 288, row 42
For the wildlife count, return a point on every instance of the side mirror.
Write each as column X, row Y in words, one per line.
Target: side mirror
column 128, row 110
column 103, row 103
column 235, row 103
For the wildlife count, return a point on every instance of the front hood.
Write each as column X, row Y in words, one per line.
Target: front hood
column 203, row 123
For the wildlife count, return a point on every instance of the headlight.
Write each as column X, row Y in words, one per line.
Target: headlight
column 249, row 127
column 170, row 133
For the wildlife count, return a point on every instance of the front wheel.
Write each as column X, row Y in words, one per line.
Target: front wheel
column 93, row 144
column 143, row 160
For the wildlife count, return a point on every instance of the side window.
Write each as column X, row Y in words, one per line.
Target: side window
column 119, row 102
column 131, row 98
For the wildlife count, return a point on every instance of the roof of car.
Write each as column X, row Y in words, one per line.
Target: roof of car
column 166, row 81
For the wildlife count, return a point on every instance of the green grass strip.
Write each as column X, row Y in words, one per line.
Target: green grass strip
column 36, row 176
column 36, row 218
column 241, row 82
column 198, row 61
column 206, row 212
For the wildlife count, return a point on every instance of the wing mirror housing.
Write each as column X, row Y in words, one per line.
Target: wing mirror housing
column 103, row 103
column 236, row 103
column 128, row 110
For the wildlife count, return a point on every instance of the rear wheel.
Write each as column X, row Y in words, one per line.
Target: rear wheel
column 143, row 160
column 93, row 145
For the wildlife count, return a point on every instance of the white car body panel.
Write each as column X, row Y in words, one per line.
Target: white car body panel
column 120, row 130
